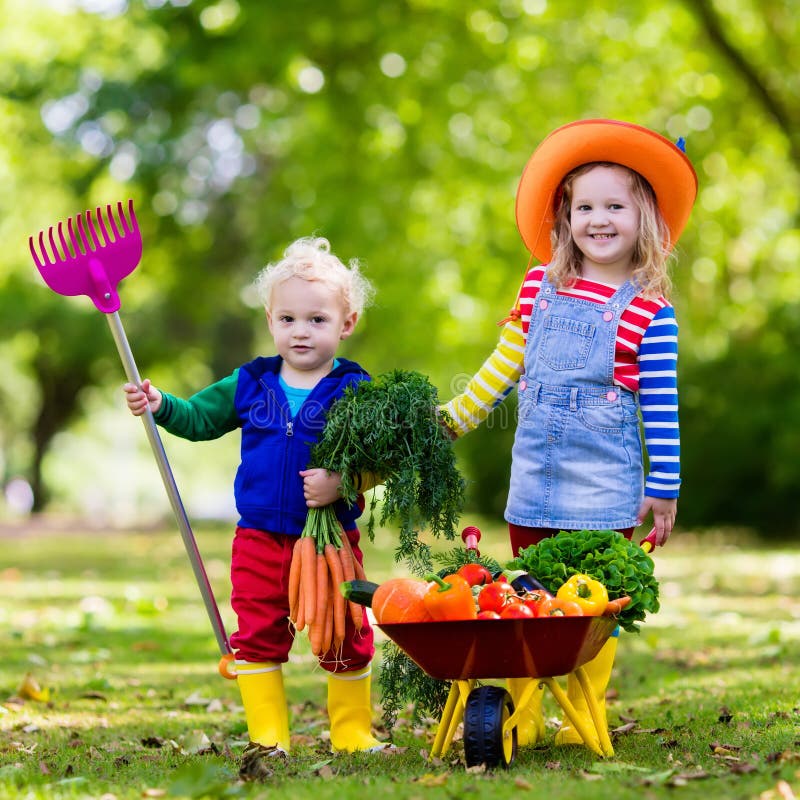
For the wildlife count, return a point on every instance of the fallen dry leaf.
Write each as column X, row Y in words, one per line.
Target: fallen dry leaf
column 93, row 696
column 785, row 756
column 682, row 778
column 196, row 699
column 391, row 750
column 626, row 728
column 743, row 769
column 430, row 779
column 303, row 739
column 30, row 689
column 782, row 791
column 785, row 791
column 195, row 743
column 521, row 783
column 153, row 741
column 729, row 748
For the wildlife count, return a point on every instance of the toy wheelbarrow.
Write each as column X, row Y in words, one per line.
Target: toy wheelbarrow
column 465, row 651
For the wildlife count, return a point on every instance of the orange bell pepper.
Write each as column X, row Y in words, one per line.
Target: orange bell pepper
column 449, row 598
column 558, row 607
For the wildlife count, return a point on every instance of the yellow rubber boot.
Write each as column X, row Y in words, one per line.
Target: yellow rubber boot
column 530, row 728
column 350, row 711
column 264, row 700
column 598, row 670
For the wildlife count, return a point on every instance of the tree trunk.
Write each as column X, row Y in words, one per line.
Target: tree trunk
column 59, row 404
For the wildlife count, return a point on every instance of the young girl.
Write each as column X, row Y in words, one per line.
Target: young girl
column 591, row 344
column 312, row 302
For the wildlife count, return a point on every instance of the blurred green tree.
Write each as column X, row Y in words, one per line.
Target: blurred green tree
column 398, row 129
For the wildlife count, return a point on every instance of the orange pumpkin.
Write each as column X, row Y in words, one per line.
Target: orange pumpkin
column 400, row 600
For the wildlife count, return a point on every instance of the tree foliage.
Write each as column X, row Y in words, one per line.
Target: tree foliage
column 398, row 129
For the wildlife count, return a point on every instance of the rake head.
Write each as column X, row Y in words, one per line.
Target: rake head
column 99, row 253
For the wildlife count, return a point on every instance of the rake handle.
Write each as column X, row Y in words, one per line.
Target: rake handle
column 189, row 542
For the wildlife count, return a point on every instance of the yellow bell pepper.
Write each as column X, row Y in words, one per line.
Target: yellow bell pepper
column 588, row 593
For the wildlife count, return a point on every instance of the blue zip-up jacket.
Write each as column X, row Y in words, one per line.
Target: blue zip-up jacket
column 275, row 446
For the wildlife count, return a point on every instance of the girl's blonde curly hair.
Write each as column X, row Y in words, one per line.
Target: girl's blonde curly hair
column 653, row 246
column 311, row 259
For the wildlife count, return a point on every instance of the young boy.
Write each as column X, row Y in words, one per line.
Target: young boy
column 312, row 302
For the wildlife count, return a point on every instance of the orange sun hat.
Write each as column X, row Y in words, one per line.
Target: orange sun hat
column 663, row 164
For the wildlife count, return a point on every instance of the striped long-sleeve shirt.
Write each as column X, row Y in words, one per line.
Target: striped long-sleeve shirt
column 645, row 362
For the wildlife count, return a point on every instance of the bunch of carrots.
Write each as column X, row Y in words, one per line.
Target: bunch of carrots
column 322, row 560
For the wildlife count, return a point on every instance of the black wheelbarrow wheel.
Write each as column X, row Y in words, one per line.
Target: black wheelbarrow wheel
column 485, row 715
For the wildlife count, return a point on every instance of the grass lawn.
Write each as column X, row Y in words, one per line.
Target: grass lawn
column 704, row 701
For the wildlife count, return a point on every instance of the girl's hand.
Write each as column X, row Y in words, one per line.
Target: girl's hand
column 139, row 400
column 452, row 435
column 664, row 511
column 320, row 487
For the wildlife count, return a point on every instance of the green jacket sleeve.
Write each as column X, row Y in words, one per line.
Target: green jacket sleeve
column 209, row 414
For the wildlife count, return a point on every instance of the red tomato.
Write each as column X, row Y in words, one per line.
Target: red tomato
column 535, row 599
column 488, row 615
column 494, row 596
column 475, row 574
column 517, row 611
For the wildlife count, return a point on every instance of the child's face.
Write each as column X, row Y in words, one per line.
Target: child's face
column 604, row 220
column 307, row 320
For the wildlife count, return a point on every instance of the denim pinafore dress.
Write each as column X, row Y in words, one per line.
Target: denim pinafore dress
column 577, row 456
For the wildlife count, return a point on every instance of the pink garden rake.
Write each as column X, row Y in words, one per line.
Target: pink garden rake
column 93, row 265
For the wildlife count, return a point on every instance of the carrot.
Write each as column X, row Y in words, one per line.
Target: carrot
column 348, row 569
column 308, row 576
column 360, row 574
column 328, row 635
column 316, row 634
column 300, row 621
column 294, row 581
column 613, row 607
column 337, row 578
column 321, row 588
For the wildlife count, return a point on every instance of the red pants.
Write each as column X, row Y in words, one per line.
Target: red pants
column 260, row 564
column 522, row 537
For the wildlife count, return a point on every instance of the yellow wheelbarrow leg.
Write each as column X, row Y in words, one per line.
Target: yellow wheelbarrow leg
column 589, row 736
column 598, row 714
column 522, row 703
column 452, row 716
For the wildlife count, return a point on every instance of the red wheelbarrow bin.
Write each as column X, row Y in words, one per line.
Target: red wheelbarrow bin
column 466, row 651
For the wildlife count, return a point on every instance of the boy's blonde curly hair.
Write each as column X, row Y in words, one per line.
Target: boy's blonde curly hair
column 311, row 259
